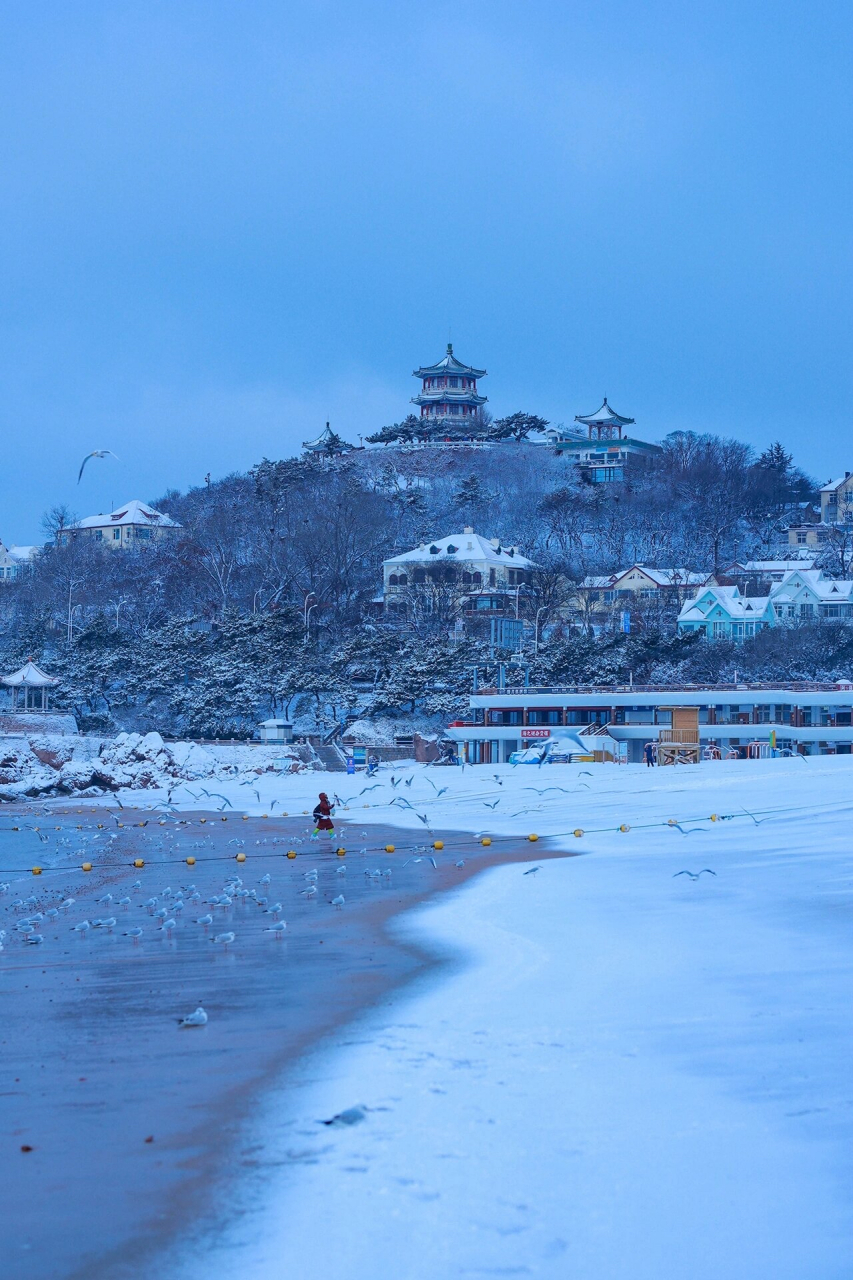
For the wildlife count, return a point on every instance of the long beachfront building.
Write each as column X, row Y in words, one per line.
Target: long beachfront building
column 742, row 719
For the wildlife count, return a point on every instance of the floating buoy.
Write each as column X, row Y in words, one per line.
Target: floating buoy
column 265, row 815
column 241, row 857
column 438, row 844
column 624, row 827
column 16, row 828
column 486, row 840
column 340, row 852
column 672, row 822
column 284, row 813
column 190, row 861
column 714, row 817
column 139, row 862
column 578, row 832
column 36, row 871
column 119, row 824
column 389, row 848
column 245, row 817
column 223, row 819
column 291, row 853
column 100, row 826
column 87, row 866
column 532, row 838
column 202, row 820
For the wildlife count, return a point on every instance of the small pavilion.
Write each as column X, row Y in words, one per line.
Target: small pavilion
column 605, row 423
column 328, row 444
column 30, row 687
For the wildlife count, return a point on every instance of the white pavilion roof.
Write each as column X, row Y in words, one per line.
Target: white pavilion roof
column 29, row 674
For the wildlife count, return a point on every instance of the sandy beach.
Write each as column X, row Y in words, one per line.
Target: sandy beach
column 134, row 1125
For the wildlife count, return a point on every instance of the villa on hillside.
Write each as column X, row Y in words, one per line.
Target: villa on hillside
column 803, row 595
column 478, row 573
column 131, row 525
column 15, row 561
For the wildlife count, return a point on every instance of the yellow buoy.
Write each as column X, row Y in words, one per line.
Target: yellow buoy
column 486, row 840
column 119, row 824
column 389, row 848
column 139, row 862
column 284, row 813
column 713, row 817
column 532, row 838
column 245, row 817
column 190, row 861
column 36, row 871
column 202, row 820
column 291, row 853
column 624, row 827
column 265, row 815
column 578, row 831
column 672, row 822
column 340, row 852
column 241, row 857
column 100, row 826
column 438, row 844
column 87, row 866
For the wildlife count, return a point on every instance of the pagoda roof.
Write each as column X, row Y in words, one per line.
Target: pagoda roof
column 324, row 439
column 604, row 416
column 31, row 675
column 448, row 365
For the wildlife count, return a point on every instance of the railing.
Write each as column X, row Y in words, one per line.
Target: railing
column 801, row 686
column 690, row 736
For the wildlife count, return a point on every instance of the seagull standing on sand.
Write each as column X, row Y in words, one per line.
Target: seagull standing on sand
column 224, row 939
column 96, row 453
column 135, row 933
column 277, row 929
column 339, row 901
column 197, row 1019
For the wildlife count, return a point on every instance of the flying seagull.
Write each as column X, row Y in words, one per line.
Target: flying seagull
column 96, row 453
column 694, row 875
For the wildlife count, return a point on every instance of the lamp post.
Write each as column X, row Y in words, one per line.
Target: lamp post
column 306, row 610
column 541, row 609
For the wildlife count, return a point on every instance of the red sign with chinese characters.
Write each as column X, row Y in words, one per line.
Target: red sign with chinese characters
column 528, row 731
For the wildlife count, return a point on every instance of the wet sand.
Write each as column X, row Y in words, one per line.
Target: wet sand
column 134, row 1124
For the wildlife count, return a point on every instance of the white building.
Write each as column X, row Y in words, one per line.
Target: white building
column 14, row 561
column 131, row 525
column 484, row 574
column 743, row 719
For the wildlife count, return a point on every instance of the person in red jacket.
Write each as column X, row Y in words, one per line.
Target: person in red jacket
column 323, row 815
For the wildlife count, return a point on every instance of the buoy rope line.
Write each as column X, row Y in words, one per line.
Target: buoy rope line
column 438, row 845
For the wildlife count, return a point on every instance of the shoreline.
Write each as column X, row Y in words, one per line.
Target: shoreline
column 123, row 1073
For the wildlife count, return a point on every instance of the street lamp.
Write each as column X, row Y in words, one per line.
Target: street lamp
column 305, row 610
column 541, row 609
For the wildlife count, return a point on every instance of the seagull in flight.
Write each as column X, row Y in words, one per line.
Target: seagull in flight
column 694, row 875
column 96, row 453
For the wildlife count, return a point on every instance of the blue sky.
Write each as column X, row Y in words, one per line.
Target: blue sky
column 224, row 223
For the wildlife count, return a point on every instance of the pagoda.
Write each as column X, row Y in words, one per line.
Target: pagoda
column 328, row 444
column 449, row 393
column 606, row 424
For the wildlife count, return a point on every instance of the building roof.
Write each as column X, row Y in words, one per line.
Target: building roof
column 31, row 675
column 605, row 417
column 23, row 554
column 328, row 441
column 772, row 566
column 133, row 512
column 464, row 546
column 662, row 577
column 832, row 485
column 448, row 365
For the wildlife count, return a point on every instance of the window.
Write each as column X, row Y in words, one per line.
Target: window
column 477, row 579
column 116, row 535
column 392, row 581
column 403, row 580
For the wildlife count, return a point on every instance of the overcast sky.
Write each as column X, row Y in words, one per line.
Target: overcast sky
column 224, row 223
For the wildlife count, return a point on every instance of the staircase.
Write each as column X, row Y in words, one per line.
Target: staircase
column 332, row 758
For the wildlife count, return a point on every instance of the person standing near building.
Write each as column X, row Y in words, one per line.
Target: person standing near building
column 649, row 754
column 323, row 816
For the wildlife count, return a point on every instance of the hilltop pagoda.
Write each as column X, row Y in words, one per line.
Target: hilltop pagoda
column 604, row 423
column 449, row 392
column 328, row 444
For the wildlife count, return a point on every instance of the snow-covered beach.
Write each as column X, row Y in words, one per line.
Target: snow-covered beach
column 624, row 1071
column 600, row 1068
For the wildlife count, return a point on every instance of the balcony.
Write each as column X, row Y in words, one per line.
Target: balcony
column 687, row 736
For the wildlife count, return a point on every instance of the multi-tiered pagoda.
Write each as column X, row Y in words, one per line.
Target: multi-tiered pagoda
column 449, row 393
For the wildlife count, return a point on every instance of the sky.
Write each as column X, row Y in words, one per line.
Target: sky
column 225, row 223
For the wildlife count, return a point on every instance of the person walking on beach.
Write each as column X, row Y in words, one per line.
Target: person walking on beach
column 323, row 816
column 649, row 754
